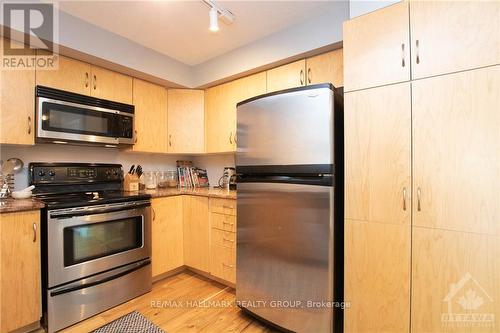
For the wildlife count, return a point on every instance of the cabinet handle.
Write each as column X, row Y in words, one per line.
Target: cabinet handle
column 228, row 207
column 135, row 131
column 95, row 82
column 227, row 239
column 403, row 55
column 226, row 265
column 234, row 138
column 170, row 140
column 86, row 79
column 29, row 124
column 230, row 137
column 34, row 232
column 301, row 77
column 309, row 75
column 419, row 208
column 417, row 50
column 154, row 213
column 404, row 198
column 228, row 223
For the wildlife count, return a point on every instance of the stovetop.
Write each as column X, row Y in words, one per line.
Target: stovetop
column 79, row 199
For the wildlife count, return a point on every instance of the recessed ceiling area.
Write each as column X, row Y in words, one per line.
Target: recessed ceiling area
column 179, row 29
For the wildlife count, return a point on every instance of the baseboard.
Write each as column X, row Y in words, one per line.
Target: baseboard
column 211, row 277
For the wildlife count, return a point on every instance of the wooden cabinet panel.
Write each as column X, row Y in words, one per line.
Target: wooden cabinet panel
column 20, row 270
column 223, row 222
column 17, row 104
column 287, row 76
column 454, row 273
column 150, row 102
column 223, row 206
column 111, row 85
column 377, row 154
column 167, row 234
column 223, row 238
column 186, row 121
column 377, row 277
column 326, row 67
column 377, row 48
column 223, row 263
column 456, row 140
column 453, row 36
column 196, row 233
column 220, row 110
column 72, row 75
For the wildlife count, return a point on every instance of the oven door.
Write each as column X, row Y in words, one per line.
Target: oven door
column 89, row 240
column 65, row 121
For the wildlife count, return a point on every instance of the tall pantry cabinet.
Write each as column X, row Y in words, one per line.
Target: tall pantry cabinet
column 422, row 136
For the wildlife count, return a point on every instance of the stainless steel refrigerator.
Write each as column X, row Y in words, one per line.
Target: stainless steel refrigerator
column 289, row 166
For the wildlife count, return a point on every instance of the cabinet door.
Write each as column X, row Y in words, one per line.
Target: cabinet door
column 71, row 75
column 377, row 277
column 17, row 104
column 377, row 48
column 377, row 154
column 196, row 233
column 186, row 121
column 450, row 36
column 326, row 67
column 111, row 85
column 20, row 270
column 150, row 123
column 223, row 262
column 167, row 234
column 455, row 281
column 456, row 145
column 287, row 76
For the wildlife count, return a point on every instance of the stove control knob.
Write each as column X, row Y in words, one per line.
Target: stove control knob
column 52, row 173
column 108, row 172
column 41, row 173
column 115, row 173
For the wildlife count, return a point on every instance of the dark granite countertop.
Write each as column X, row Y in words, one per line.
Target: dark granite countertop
column 10, row 205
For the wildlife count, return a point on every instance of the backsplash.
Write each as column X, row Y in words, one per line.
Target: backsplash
column 62, row 153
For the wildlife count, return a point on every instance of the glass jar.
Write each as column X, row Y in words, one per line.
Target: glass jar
column 171, row 178
column 162, row 179
column 150, row 180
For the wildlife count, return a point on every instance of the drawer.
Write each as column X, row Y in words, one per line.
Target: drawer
column 223, row 206
column 223, row 238
column 223, row 263
column 223, row 222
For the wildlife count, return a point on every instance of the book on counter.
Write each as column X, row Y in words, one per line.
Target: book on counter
column 190, row 176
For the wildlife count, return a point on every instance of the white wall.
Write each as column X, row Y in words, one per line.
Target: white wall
column 360, row 7
column 62, row 153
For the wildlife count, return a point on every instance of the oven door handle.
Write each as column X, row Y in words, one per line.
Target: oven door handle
column 120, row 273
column 91, row 211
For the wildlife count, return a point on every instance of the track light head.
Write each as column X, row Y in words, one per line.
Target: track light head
column 214, row 20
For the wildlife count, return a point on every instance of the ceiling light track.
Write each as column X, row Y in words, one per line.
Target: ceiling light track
column 217, row 11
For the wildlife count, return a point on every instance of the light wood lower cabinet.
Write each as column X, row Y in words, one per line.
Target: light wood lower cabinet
column 223, row 263
column 196, row 233
column 455, row 281
column 17, row 104
column 20, row 285
column 167, row 234
column 377, row 277
column 287, row 76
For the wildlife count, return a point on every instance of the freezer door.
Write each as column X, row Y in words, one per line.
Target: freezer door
column 290, row 128
column 285, row 254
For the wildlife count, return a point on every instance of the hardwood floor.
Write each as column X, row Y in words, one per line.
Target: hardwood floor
column 185, row 302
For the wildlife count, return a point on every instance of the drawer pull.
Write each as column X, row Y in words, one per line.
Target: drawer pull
column 228, row 266
column 228, row 223
column 227, row 207
column 227, row 239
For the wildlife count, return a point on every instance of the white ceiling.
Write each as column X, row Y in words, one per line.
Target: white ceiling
column 179, row 29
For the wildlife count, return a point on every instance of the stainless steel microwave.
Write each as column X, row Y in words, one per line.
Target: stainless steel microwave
column 64, row 117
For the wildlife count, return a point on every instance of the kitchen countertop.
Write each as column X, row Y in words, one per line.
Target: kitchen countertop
column 14, row 205
column 204, row 192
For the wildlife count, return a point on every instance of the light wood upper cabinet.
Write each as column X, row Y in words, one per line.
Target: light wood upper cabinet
column 167, row 234
column 287, row 76
column 451, row 270
column 326, row 67
column 111, row 85
column 186, row 121
column 17, row 104
column 20, row 294
column 220, row 110
column 453, row 36
column 377, row 48
column 377, row 277
column 72, row 75
column 196, row 233
column 377, row 154
column 456, row 145
column 150, row 102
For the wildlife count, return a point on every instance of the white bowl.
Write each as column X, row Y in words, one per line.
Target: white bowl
column 21, row 194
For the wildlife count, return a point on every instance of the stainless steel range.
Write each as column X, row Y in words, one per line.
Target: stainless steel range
column 96, row 240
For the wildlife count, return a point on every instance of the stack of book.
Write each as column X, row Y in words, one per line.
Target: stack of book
column 190, row 176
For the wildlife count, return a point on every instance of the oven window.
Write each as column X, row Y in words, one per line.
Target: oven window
column 71, row 119
column 92, row 241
